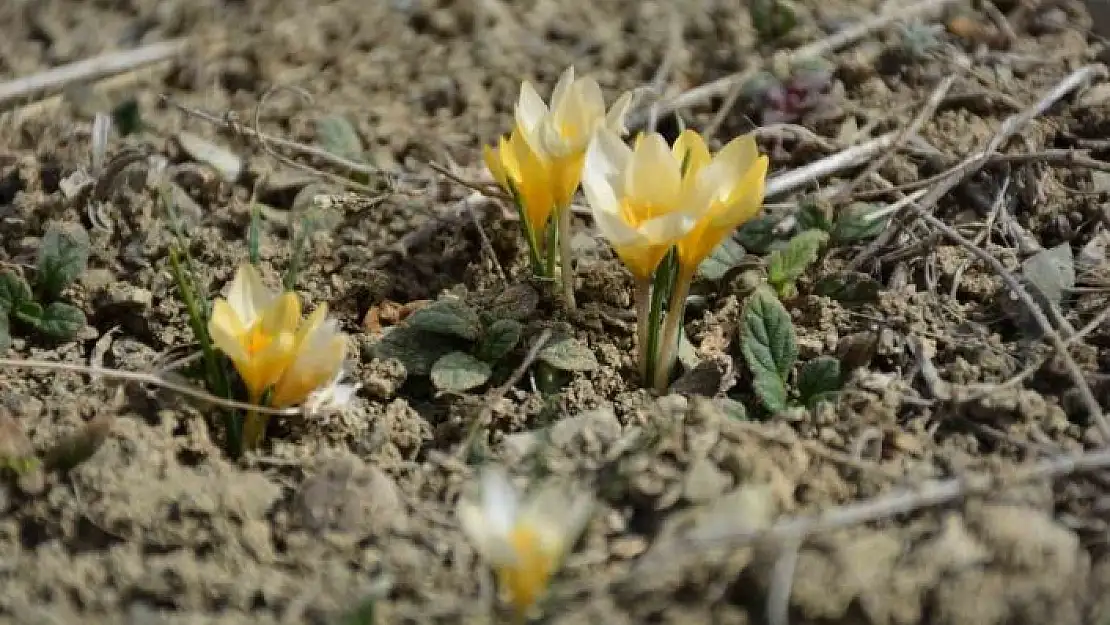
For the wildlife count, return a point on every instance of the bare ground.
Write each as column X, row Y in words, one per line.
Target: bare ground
column 159, row 526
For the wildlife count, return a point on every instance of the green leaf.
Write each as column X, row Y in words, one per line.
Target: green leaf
column 337, row 135
column 819, row 379
column 721, row 260
column 786, row 265
column 858, row 222
column 771, row 392
column 758, row 234
column 459, row 371
column 61, row 321
column 850, row 287
column 450, row 317
column 772, row 18
column 811, row 216
column 769, row 346
column 500, row 339
column 62, row 258
column 14, row 290
column 127, row 117
column 28, row 312
column 5, row 333
column 415, row 349
column 517, row 302
column 567, row 354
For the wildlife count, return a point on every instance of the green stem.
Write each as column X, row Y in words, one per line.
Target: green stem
column 529, row 233
column 551, row 248
column 254, row 429
column 643, row 321
column 564, row 256
column 668, row 348
column 662, row 283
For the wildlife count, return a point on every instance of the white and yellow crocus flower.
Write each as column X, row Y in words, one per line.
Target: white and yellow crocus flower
column 256, row 328
column 523, row 539
column 559, row 135
column 261, row 332
column 652, row 197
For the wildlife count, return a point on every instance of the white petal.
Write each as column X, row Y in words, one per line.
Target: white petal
column 500, row 501
column 582, row 112
column 653, row 175
column 530, row 109
column 667, row 228
column 606, row 158
column 248, row 296
column 559, row 94
column 615, row 229
column 615, row 119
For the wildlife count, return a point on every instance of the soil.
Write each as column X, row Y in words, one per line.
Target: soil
column 160, row 525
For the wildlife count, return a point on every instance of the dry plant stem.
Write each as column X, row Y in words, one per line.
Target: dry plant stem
column 301, row 148
column 96, row 68
column 486, row 416
column 643, row 330
column 147, row 378
column 845, row 159
column 902, row 502
column 668, row 343
column 566, row 268
column 908, row 131
column 1078, row 377
column 723, row 86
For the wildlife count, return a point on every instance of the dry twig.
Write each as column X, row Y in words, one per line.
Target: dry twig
column 96, row 68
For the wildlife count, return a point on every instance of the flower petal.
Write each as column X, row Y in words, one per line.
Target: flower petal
column 227, row 331
column 489, row 517
column 530, row 110
column 247, row 295
column 562, row 88
column 607, row 158
column 618, row 113
column 492, row 157
column 667, row 229
column 558, row 514
column 690, row 148
column 284, row 315
column 652, row 178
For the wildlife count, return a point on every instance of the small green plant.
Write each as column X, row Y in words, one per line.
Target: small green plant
column 770, row 349
column 458, row 347
column 37, row 307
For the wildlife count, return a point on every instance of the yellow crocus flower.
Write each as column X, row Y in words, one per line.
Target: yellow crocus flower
column 256, row 328
column 724, row 191
column 319, row 352
column 637, row 198
column 727, row 190
column 560, row 134
column 523, row 539
column 518, row 169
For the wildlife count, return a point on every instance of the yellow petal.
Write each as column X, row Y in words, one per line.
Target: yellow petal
column 653, row 180
column 741, row 205
column 263, row 368
column 523, row 582
column 533, row 182
column 227, row 331
column 284, row 315
column 316, row 358
column 492, row 157
column 690, row 149
column 566, row 174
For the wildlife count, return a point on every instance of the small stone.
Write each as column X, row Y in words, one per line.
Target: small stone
column 382, row 378
column 705, row 482
column 627, row 547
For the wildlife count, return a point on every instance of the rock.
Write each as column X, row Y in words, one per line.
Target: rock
column 704, row 482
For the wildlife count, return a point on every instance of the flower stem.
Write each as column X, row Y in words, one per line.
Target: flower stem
column 668, row 348
column 662, row 283
column 551, row 248
column 564, row 256
column 254, row 429
column 643, row 326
